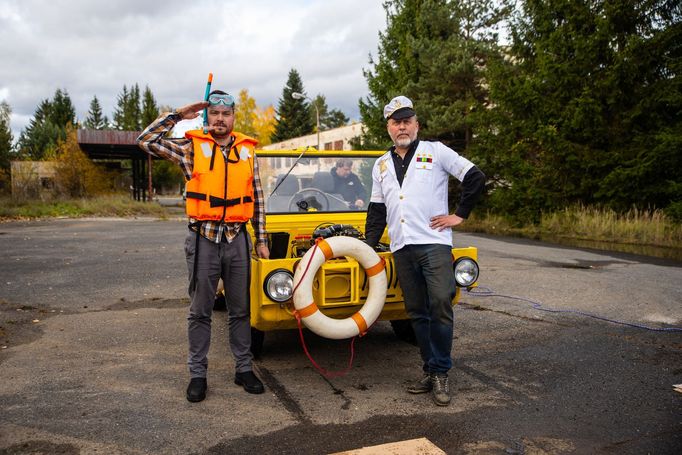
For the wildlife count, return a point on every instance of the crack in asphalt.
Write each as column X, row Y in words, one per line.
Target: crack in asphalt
column 288, row 401
column 493, row 383
column 346, row 401
column 474, row 307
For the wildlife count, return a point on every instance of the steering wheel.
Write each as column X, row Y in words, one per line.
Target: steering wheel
column 309, row 200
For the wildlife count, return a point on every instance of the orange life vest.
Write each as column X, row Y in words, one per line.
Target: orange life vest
column 219, row 189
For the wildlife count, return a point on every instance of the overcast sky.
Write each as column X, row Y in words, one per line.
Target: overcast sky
column 91, row 47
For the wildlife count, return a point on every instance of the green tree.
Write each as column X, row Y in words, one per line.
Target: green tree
column 390, row 71
column 586, row 109
column 293, row 115
column 122, row 102
column 95, row 119
column 150, row 110
column 5, row 135
column 128, row 116
column 48, row 126
column 434, row 52
column 167, row 176
column 134, row 110
column 329, row 119
column 6, row 154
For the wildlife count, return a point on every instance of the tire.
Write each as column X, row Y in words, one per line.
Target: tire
column 257, row 339
column 404, row 331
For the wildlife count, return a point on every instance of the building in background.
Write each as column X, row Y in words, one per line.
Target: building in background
column 334, row 139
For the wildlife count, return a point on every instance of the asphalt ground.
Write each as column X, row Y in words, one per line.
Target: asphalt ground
column 93, row 350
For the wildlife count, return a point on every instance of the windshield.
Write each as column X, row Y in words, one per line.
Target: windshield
column 316, row 184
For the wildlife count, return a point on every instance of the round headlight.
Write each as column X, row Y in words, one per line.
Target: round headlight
column 278, row 285
column 466, row 272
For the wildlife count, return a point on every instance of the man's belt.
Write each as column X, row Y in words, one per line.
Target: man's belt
column 218, row 201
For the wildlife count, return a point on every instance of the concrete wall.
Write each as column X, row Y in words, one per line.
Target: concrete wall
column 33, row 178
column 336, row 139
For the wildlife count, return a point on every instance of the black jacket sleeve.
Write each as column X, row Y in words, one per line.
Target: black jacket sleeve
column 472, row 188
column 375, row 223
column 360, row 192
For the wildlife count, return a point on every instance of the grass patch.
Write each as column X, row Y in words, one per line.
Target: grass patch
column 637, row 227
column 110, row 205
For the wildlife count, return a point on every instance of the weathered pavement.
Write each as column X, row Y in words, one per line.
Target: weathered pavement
column 102, row 370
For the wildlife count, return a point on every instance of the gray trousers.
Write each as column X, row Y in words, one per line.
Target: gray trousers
column 232, row 263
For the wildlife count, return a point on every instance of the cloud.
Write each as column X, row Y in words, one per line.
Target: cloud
column 94, row 48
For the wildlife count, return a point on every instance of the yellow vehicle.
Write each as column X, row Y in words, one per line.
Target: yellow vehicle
column 302, row 205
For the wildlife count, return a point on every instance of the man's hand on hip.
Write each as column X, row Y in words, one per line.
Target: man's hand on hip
column 441, row 222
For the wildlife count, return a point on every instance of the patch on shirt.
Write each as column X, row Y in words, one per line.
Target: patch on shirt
column 206, row 149
column 424, row 160
column 244, row 153
column 383, row 167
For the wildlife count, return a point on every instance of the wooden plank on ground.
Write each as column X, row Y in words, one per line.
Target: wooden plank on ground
column 420, row 446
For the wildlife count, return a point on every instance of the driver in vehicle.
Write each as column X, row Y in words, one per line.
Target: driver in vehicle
column 347, row 184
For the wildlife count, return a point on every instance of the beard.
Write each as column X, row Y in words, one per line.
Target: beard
column 402, row 141
column 220, row 130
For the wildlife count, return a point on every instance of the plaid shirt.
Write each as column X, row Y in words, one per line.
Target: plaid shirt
column 180, row 151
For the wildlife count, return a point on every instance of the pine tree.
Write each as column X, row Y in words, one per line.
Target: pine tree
column 48, row 126
column 128, row 116
column 587, row 109
column 5, row 136
column 122, row 103
column 329, row 119
column 150, row 110
column 434, row 52
column 62, row 112
column 134, row 113
column 95, row 120
column 293, row 114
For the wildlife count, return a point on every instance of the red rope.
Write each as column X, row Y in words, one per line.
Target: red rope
column 327, row 374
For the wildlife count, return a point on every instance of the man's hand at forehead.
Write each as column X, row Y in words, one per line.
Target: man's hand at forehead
column 192, row 110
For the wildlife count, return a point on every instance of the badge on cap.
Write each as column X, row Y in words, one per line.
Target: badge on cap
column 398, row 108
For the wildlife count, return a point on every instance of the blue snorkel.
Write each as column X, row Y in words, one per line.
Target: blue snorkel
column 208, row 90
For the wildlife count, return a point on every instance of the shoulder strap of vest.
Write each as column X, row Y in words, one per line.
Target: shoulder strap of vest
column 198, row 134
column 239, row 138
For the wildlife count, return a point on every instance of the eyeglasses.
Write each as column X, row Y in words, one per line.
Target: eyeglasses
column 217, row 98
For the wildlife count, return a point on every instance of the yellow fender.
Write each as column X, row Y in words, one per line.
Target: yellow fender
column 304, row 304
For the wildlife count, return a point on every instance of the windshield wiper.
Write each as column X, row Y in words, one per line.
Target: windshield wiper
column 305, row 149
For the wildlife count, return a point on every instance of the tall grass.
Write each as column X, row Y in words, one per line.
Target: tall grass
column 117, row 205
column 642, row 227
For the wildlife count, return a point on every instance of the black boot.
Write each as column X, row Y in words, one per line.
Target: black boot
column 196, row 390
column 249, row 381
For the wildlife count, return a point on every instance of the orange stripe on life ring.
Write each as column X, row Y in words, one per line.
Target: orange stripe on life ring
column 309, row 310
column 326, row 249
column 376, row 268
column 361, row 323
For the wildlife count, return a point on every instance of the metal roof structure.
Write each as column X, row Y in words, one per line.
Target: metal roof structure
column 110, row 144
column 120, row 145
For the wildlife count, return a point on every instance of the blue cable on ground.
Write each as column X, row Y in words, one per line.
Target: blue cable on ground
column 487, row 292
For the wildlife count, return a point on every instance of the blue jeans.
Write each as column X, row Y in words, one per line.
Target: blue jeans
column 428, row 283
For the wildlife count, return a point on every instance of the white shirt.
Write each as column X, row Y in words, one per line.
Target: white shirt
column 424, row 193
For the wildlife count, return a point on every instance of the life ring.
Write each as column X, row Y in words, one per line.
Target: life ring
column 306, row 307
